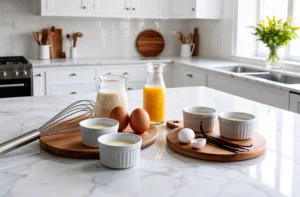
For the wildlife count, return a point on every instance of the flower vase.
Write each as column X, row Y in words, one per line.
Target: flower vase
column 273, row 60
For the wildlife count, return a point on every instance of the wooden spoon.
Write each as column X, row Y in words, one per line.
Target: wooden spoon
column 74, row 39
column 36, row 37
column 182, row 37
column 79, row 34
column 40, row 37
column 49, row 38
column 179, row 37
column 68, row 36
column 189, row 38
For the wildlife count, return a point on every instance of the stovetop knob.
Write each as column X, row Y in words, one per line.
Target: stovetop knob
column 23, row 73
column 15, row 73
column 3, row 74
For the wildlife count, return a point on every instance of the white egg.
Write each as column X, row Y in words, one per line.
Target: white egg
column 198, row 143
column 186, row 135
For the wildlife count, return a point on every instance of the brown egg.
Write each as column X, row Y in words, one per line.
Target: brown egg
column 120, row 114
column 139, row 121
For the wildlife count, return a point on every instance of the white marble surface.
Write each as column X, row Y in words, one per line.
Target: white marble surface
column 210, row 65
column 31, row 172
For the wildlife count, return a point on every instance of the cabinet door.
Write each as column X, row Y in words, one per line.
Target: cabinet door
column 192, row 78
column 39, row 84
column 65, row 7
column 112, row 8
column 152, row 8
column 168, row 76
column 184, row 8
column 294, row 103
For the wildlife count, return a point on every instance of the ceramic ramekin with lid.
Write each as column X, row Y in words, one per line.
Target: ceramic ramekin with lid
column 192, row 117
column 120, row 156
column 90, row 135
column 237, row 125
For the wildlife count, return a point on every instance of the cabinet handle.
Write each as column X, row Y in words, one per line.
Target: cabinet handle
column 83, row 7
column 133, row 9
column 108, row 73
column 126, row 73
column 126, row 8
column 74, row 93
column 73, row 75
column 189, row 75
column 129, row 88
column 193, row 9
column 38, row 75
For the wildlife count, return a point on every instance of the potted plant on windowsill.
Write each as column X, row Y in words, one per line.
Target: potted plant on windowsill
column 275, row 33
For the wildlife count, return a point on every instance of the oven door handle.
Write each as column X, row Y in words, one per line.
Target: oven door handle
column 12, row 85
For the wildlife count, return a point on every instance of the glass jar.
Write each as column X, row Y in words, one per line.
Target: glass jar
column 155, row 94
column 111, row 93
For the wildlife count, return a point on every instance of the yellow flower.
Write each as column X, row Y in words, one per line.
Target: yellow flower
column 290, row 19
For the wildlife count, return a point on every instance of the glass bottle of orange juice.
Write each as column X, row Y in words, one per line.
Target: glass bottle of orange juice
column 155, row 94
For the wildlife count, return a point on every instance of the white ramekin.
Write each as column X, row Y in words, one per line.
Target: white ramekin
column 120, row 157
column 192, row 118
column 89, row 135
column 237, row 129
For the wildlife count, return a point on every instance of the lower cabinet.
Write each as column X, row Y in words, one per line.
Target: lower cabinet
column 294, row 103
column 39, row 86
column 183, row 77
column 256, row 92
column 73, row 89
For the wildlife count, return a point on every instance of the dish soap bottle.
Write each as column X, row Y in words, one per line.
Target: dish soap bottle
column 155, row 94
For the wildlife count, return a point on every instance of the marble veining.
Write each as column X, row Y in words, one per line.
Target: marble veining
column 209, row 65
column 30, row 171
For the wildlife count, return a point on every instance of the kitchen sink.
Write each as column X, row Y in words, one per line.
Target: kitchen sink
column 280, row 78
column 240, row 69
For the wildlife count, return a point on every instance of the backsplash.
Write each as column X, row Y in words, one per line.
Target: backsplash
column 103, row 37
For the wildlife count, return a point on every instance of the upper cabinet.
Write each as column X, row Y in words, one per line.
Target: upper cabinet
column 156, row 9
column 65, row 7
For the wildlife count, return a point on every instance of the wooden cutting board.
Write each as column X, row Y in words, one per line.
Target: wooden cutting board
column 213, row 153
column 150, row 43
column 69, row 144
column 56, row 42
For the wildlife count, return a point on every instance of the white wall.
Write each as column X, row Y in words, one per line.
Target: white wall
column 102, row 37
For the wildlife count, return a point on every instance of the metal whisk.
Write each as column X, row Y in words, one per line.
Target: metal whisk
column 64, row 122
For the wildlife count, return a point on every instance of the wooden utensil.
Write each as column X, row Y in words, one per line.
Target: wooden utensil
column 182, row 36
column 49, row 38
column 75, row 39
column 196, row 42
column 213, row 153
column 68, row 36
column 189, row 38
column 179, row 37
column 40, row 37
column 36, row 37
column 69, row 144
column 150, row 43
column 56, row 42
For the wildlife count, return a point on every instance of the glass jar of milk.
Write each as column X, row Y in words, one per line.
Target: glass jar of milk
column 111, row 93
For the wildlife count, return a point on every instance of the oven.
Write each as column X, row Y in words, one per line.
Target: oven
column 15, row 87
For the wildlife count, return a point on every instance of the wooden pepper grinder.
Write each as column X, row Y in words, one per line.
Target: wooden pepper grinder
column 196, row 42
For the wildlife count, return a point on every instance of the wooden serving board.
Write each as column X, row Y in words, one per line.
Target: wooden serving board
column 150, row 43
column 56, row 42
column 213, row 153
column 69, row 144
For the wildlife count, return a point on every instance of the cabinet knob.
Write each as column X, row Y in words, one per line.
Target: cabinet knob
column 38, row 75
column 74, row 93
column 189, row 75
column 108, row 73
column 84, row 7
column 129, row 88
column 126, row 8
column 73, row 75
column 126, row 73
column 133, row 9
column 193, row 9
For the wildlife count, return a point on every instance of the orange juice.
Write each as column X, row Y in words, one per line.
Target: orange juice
column 155, row 102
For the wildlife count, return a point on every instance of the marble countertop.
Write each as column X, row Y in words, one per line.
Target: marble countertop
column 29, row 171
column 210, row 65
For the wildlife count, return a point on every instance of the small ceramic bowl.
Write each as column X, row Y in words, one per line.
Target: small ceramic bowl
column 90, row 133
column 192, row 117
column 120, row 156
column 237, row 125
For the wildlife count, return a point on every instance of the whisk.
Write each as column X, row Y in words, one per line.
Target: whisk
column 65, row 121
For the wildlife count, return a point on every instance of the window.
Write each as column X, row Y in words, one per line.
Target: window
column 282, row 9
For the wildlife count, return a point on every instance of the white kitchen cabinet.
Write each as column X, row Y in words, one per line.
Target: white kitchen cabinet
column 184, row 77
column 168, row 76
column 112, row 8
column 73, row 89
column 250, row 90
column 39, row 79
column 146, row 8
column 202, row 9
column 65, row 7
column 294, row 103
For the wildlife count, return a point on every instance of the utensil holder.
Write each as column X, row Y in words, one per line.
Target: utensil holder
column 73, row 52
column 44, row 52
column 187, row 50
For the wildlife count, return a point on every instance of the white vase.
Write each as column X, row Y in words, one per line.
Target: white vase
column 73, row 52
column 44, row 52
column 187, row 50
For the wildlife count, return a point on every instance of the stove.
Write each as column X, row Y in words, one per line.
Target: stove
column 15, row 77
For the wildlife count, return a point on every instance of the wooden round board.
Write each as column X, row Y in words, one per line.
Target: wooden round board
column 150, row 43
column 69, row 144
column 213, row 153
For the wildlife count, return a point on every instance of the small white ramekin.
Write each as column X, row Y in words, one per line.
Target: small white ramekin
column 192, row 118
column 120, row 157
column 90, row 135
column 237, row 129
